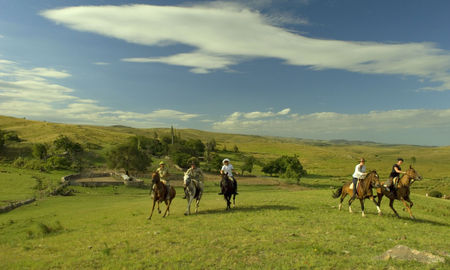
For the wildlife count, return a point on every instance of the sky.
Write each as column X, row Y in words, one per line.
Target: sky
column 316, row 69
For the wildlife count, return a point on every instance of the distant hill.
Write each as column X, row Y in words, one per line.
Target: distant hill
column 336, row 157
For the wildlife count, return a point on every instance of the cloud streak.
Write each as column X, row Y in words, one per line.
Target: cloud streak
column 332, row 125
column 34, row 93
column 224, row 34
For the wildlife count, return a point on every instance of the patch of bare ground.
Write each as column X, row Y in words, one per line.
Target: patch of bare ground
column 97, row 179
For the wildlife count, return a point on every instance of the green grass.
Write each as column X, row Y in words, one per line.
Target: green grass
column 272, row 227
column 20, row 184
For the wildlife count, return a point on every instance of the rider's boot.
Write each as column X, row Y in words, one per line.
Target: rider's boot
column 235, row 185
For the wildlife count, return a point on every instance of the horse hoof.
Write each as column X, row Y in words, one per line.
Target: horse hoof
column 412, row 217
column 149, row 218
column 186, row 214
column 159, row 212
column 380, row 214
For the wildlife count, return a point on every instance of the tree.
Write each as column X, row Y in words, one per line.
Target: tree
column 235, row 149
column 40, row 151
column 129, row 156
column 413, row 160
column 211, row 145
column 285, row 166
column 248, row 164
column 73, row 151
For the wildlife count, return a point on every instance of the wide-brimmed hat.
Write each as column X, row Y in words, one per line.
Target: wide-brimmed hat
column 226, row 160
column 162, row 163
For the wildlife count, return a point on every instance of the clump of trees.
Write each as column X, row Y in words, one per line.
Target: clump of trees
column 7, row 136
column 285, row 166
column 134, row 155
column 62, row 153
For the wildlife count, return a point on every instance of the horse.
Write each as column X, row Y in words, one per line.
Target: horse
column 228, row 189
column 402, row 192
column 194, row 190
column 160, row 194
column 364, row 191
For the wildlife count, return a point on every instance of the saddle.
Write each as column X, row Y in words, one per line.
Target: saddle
column 357, row 185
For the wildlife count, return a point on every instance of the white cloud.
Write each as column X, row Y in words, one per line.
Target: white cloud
column 332, row 125
column 253, row 115
column 224, row 34
column 2, row 36
column 30, row 93
column 101, row 63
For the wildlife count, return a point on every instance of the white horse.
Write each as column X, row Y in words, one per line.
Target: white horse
column 194, row 190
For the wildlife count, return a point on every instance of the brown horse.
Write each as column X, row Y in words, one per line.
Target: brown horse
column 160, row 194
column 402, row 192
column 364, row 191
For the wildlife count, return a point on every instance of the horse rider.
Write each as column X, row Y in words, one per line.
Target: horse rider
column 228, row 169
column 360, row 173
column 395, row 174
column 195, row 173
column 163, row 172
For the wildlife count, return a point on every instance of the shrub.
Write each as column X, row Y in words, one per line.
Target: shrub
column 435, row 193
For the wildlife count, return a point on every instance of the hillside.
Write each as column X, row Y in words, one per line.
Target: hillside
column 323, row 158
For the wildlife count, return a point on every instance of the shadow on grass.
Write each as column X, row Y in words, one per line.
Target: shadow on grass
column 255, row 208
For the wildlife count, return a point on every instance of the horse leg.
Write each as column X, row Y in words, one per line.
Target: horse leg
column 362, row 207
column 227, row 198
column 159, row 210
column 234, row 200
column 350, row 204
column 198, row 201
column 153, row 208
column 391, row 205
column 188, row 209
column 344, row 194
column 410, row 202
column 167, row 208
column 376, row 204
column 407, row 208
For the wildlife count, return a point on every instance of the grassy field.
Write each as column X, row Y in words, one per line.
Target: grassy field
column 274, row 226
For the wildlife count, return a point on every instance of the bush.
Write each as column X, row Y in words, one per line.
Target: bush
column 58, row 162
column 435, row 193
column 181, row 159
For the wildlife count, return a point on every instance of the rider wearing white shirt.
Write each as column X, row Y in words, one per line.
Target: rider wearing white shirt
column 360, row 173
column 228, row 169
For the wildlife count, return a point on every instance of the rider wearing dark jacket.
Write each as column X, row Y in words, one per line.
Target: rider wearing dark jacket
column 395, row 173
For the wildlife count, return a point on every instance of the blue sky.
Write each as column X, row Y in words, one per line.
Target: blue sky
column 357, row 70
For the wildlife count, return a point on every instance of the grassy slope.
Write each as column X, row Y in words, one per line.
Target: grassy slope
column 318, row 157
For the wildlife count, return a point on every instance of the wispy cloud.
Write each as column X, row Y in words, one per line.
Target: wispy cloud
column 34, row 93
column 101, row 63
column 331, row 125
column 227, row 33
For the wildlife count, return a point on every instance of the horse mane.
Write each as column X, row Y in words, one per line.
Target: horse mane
column 156, row 178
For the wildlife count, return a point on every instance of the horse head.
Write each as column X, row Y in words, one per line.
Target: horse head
column 374, row 179
column 155, row 178
column 224, row 176
column 413, row 174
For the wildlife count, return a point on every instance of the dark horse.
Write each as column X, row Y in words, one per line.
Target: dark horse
column 160, row 194
column 402, row 192
column 364, row 191
column 228, row 189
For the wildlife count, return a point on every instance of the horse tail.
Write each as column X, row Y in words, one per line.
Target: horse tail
column 337, row 193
